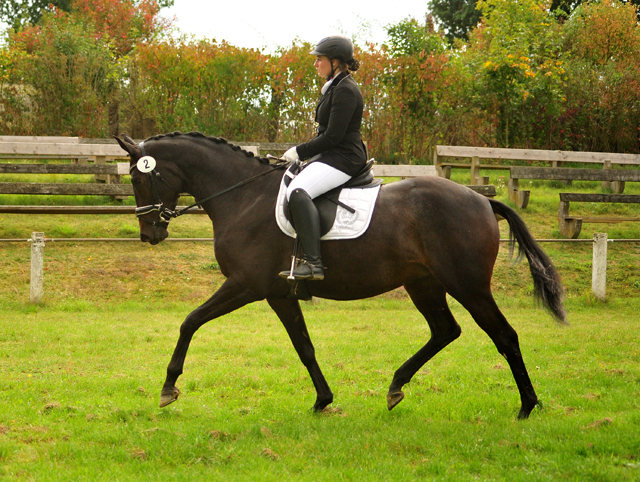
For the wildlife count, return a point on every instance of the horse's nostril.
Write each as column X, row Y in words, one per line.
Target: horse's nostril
column 144, row 238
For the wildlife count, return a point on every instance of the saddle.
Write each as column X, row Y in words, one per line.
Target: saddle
column 327, row 203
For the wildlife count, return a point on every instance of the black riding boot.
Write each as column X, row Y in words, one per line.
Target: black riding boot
column 306, row 220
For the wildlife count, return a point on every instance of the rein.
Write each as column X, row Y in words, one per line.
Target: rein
column 166, row 214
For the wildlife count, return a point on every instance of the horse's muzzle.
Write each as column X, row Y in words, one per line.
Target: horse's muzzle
column 153, row 234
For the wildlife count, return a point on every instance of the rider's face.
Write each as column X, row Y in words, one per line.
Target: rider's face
column 323, row 66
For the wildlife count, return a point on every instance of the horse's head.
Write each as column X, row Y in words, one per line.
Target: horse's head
column 156, row 185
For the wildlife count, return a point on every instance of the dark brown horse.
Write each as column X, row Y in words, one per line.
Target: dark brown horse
column 430, row 235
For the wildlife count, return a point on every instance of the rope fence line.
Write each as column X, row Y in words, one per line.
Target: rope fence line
column 182, row 240
column 84, row 240
column 600, row 243
column 579, row 240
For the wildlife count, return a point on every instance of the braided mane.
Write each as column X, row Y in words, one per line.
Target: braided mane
column 216, row 140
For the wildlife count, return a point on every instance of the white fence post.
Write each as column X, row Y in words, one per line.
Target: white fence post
column 599, row 276
column 37, row 266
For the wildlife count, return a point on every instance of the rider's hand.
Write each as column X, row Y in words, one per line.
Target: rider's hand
column 291, row 155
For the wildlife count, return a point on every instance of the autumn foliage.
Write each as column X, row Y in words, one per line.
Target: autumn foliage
column 125, row 23
column 525, row 78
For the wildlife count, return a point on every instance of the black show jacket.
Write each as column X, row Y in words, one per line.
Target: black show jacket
column 339, row 115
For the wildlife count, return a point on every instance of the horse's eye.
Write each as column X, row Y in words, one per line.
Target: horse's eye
column 136, row 181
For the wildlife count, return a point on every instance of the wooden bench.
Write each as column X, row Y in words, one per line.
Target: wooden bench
column 613, row 179
column 475, row 154
column 570, row 226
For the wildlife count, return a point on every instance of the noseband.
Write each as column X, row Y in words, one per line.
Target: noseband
column 165, row 214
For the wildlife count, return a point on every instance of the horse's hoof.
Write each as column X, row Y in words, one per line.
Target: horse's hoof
column 525, row 411
column 168, row 395
column 320, row 405
column 394, row 399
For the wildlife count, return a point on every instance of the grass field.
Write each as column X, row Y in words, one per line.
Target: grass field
column 80, row 392
column 82, row 372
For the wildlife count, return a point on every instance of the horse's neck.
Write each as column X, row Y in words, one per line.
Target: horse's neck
column 229, row 176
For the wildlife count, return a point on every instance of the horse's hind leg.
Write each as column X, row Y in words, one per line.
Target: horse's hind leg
column 489, row 317
column 430, row 299
column 291, row 317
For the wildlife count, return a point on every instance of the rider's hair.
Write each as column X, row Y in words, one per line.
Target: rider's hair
column 350, row 66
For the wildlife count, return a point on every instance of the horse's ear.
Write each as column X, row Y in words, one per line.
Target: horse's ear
column 129, row 145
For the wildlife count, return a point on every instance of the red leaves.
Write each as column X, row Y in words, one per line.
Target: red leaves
column 606, row 31
column 125, row 22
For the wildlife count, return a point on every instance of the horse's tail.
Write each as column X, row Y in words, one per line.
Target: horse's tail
column 546, row 281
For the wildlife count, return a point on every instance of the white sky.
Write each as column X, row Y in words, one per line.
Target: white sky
column 276, row 23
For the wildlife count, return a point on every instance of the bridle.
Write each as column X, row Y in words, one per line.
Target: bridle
column 165, row 214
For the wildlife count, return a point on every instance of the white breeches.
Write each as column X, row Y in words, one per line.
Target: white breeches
column 316, row 179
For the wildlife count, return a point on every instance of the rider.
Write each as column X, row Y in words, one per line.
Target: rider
column 335, row 155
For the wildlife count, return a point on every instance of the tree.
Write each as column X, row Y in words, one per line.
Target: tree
column 18, row 14
column 417, row 57
column 124, row 22
column 456, row 17
column 603, row 90
column 63, row 74
column 515, row 57
column 564, row 8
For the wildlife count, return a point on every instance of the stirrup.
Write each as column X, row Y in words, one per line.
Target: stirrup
column 306, row 270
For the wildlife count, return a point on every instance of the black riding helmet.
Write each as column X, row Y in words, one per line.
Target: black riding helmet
column 335, row 47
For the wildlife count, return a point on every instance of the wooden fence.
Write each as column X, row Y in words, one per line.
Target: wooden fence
column 108, row 162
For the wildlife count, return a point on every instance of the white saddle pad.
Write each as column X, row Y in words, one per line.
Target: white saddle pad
column 346, row 225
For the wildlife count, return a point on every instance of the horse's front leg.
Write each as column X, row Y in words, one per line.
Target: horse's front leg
column 291, row 317
column 228, row 298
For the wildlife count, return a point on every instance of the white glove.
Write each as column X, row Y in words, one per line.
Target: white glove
column 291, row 155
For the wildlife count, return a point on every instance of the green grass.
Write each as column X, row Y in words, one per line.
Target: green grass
column 80, row 392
